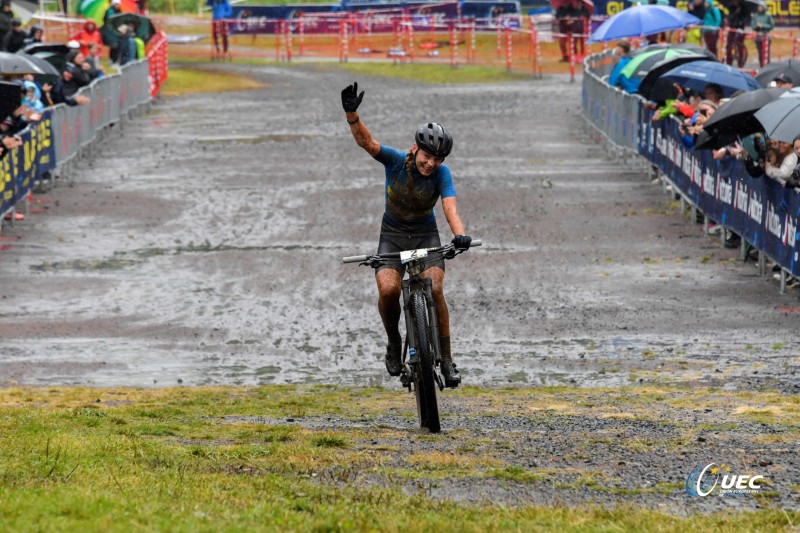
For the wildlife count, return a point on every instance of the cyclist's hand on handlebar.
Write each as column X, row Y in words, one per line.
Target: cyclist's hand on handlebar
column 462, row 242
column 350, row 98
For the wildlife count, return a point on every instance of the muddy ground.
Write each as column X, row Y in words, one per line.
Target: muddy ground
column 202, row 244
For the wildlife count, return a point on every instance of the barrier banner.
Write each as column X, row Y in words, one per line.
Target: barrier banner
column 785, row 12
column 760, row 210
column 25, row 165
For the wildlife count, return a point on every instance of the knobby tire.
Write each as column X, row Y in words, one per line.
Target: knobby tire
column 426, row 383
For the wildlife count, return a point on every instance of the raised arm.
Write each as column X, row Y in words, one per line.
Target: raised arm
column 350, row 102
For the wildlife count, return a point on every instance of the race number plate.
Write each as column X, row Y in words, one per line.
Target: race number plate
column 411, row 255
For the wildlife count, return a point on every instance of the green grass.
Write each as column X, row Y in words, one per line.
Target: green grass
column 239, row 459
column 434, row 73
column 185, row 81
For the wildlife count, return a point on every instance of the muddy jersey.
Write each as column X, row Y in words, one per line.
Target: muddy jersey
column 410, row 206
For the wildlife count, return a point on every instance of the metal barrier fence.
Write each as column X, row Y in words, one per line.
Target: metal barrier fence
column 760, row 210
column 64, row 131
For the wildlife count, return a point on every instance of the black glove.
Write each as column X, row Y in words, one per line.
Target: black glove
column 462, row 242
column 350, row 98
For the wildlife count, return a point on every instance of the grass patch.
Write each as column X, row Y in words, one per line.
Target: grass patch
column 185, row 81
column 431, row 73
column 263, row 458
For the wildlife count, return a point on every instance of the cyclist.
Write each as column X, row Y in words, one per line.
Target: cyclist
column 414, row 182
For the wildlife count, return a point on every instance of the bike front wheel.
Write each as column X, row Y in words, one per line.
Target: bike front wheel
column 425, row 383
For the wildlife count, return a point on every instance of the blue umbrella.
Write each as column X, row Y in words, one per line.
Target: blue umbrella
column 697, row 74
column 643, row 20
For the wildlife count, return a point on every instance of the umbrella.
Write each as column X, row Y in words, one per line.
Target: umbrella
column 769, row 71
column 50, row 73
column 24, row 9
column 35, row 48
column 642, row 20
column 650, row 80
column 736, row 119
column 144, row 27
column 17, row 64
column 10, row 98
column 697, row 74
column 58, row 61
column 640, row 64
column 781, row 119
column 757, row 3
column 96, row 9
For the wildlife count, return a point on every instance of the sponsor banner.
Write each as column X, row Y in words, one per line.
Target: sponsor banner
column 378, row 17
column 785, row 12
column 22, row 167
column 759, row 209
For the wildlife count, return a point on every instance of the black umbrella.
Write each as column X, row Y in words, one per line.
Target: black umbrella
column 110, row 32
column 45, row 66
column 781, row 119
column 10, row 98
column 36, row 48
column 736, row 118
column 649, row 81
column 696, row 48
column 771, row 70
column 17, row 64
column 57, row 60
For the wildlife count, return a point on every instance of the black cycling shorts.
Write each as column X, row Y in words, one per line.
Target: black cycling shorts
column 393, row 239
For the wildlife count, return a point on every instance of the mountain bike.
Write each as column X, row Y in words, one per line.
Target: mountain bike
column 421, row 355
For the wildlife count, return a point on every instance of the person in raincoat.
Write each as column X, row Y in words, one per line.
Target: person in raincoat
column 712, row 21
column 32, row 97
column 89, row 35
column 762, row 23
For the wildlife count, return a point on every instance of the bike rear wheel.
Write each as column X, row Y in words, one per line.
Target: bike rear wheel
column 425, row 383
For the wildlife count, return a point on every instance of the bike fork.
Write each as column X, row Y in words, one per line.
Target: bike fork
column 434, row 323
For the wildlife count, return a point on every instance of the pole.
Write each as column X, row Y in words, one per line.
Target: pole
column 473, row 42
column 301, row 34
column 509, row 51
column 277, row 40
column 571, row 45
column 287, row 32
column 499, row 38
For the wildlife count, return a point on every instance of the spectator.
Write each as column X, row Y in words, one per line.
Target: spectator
column 127, row 46
column 137, row 41
column 6, row 16
column 142, row 7
column 94, row 60
column 794, row 181
column 35, row 35
column 56, row 94
column 15, row 39
column 738, row 20
column 87, row 73
column 220, row 12
column 89, row 35
column 115, row 8
column 685, row 105
column 113, row 46
column 9, row 142
column 784, row 81
column 692, row 127
column 31, row 99
column 616, row 79
column 579, row 25
column 698, row 9
column 762, row 23
column 712, row 21
column 713, row 92
column 783, row 168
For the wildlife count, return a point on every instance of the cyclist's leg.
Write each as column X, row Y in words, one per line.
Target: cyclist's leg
column 388, row 280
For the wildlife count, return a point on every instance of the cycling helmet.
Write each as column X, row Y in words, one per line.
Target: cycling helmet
column 434, row 139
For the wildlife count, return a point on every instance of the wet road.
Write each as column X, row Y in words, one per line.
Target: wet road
column 203, row 246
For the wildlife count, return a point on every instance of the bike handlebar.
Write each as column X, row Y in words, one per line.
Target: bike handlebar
column 394, row 255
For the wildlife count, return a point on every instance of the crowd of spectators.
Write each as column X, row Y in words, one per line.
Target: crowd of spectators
column 81, row 65
column 761, row 156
